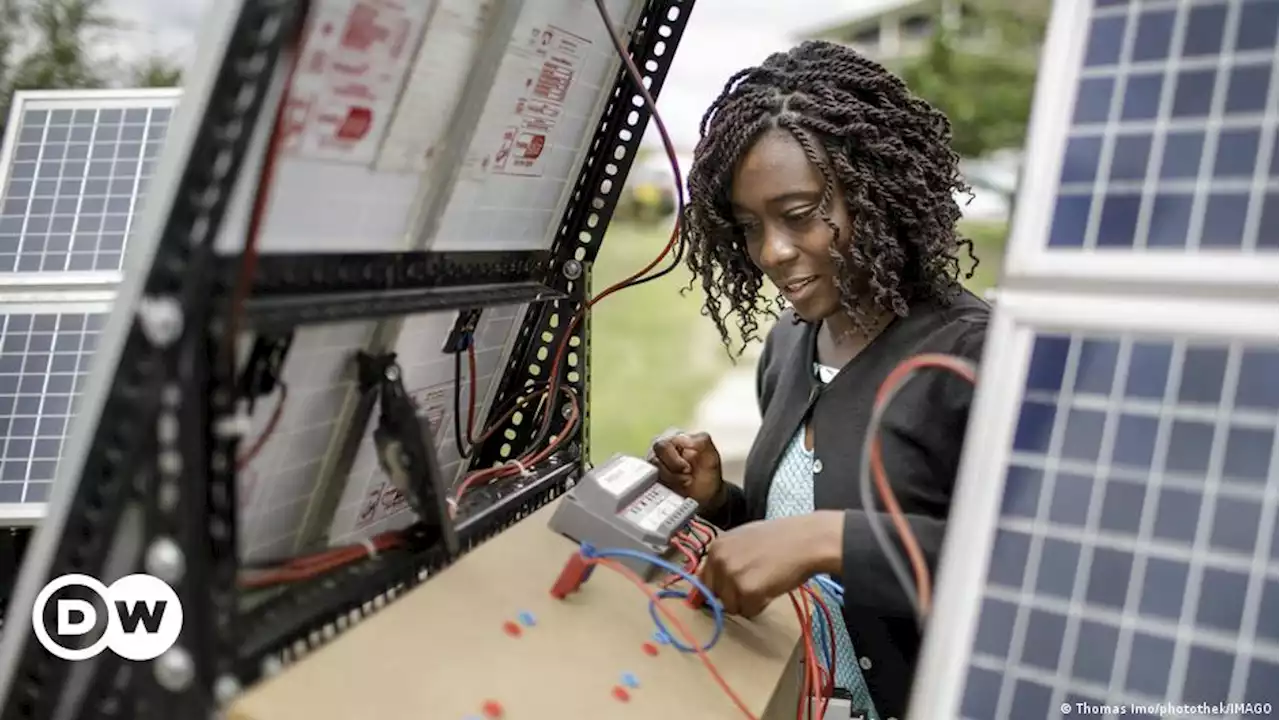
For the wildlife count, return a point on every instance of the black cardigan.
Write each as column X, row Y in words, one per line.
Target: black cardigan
column 921, row 439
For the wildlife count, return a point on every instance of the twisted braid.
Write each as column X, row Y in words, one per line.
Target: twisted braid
column 890, row 152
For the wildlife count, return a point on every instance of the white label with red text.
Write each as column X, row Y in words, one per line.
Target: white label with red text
column 349, row 77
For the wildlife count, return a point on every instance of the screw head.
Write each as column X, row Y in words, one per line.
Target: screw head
column 165, row 560
column 566, row 411
column 392, row 373
column 174, row 670
column 161, row 320
column 572, row 269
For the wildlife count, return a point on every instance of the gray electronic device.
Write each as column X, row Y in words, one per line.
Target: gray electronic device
column 621, row 504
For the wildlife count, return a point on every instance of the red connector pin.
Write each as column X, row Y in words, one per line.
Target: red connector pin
column 575, row 572
column 695, row 599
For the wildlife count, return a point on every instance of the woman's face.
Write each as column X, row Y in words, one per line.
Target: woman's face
column 775, row 196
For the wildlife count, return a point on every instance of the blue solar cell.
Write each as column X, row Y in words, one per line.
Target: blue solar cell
column 1155, row 33
column 1070, row 221
column 1170, row 220
column 1129, row 156
column 1142, row 95
column 1131, row 446
column 74, row 186
column 1224, row 220
column 1071, row 495
column 1093, row 100
column 1194, row 94
column 1119, row 219
column 1080, row 160
column 1257, row 28
column 1106, row 39
column 1247, row 89
column 1238, row 153
column 1205, row 30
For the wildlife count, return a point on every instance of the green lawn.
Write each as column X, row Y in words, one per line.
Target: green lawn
column 653, row 355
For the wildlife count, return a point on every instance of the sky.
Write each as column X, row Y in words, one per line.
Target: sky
column 723, row 36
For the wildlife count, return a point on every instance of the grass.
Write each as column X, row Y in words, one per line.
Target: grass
column 653, row 355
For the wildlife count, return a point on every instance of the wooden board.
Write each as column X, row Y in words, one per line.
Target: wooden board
column 440, row 651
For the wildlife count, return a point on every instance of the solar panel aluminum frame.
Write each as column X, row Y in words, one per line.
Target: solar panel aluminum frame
column 1016, row 318
column 1029, row 262
column 131, row 364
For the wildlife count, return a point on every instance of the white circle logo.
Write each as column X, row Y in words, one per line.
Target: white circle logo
column 144, row 617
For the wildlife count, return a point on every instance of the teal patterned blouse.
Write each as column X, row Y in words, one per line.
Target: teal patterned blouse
column 791, row 493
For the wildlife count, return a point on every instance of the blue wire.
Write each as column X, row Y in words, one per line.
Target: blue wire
column 713, row 602
column 832, row 587
column 823, row 637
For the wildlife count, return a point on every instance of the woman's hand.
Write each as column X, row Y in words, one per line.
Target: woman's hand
column 751, row 565
column 689, row 464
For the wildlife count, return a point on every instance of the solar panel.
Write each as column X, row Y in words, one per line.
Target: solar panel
column 78, row 164
column 73, row 173
column 553, row 75
column 1134, row 559
column 1118, row 507
column 1160, row 144
column 427, row 160
column 45, row 354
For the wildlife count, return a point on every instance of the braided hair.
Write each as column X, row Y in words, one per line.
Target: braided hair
column 888, row 150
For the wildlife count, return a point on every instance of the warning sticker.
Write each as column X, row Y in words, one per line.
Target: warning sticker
column 380, row 502
column 349, row 77
column 556, row 57
column 432, row 403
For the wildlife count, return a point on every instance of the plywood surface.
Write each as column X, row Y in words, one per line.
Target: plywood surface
column 440, row 651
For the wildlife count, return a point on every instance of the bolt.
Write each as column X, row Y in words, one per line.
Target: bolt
column 572, row 269
column 165, row 560
column 566, row 411
column 392, row 373
column 226, row 688
column 161, row 319
column 174, row 670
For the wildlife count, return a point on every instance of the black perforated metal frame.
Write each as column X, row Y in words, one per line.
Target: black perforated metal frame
column 184, row 382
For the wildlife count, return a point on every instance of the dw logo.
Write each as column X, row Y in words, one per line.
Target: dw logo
column 143, row 617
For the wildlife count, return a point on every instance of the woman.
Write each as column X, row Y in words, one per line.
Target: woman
column 820, row 172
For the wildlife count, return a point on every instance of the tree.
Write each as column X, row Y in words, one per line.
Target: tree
column 981, row 72
column 49, row 45
column 156, row 71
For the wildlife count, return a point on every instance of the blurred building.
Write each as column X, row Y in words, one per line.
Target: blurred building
column 899, row 29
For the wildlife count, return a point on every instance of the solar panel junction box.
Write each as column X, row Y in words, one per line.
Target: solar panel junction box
column 621, row 504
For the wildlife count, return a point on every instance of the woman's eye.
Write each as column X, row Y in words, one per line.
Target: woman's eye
column 799, row 215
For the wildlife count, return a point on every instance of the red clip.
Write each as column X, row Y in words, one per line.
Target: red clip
column 695, row 599
column 575, row 573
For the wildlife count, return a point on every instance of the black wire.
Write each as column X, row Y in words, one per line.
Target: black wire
column 463, row 452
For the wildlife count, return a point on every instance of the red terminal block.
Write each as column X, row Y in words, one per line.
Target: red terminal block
column 575, row 572
column 695, row 599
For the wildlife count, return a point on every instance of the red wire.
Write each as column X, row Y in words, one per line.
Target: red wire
column 680, row 628
column 310, row 566
column 895, row 378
